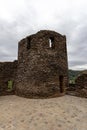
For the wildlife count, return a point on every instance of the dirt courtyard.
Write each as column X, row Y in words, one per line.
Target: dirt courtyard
column 62, row 113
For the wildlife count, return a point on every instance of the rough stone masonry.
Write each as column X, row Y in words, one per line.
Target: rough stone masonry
column 42, row 67
column 81, row 84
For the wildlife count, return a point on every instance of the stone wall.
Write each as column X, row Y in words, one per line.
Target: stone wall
column 81, row 85
column 42, row 68
column 7, row 72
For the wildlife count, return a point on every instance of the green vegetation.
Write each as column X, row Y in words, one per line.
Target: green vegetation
column 72, row 75
column 10, row 85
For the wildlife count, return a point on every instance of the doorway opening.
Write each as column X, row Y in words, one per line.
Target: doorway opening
column 10, row 85
column 61, row 83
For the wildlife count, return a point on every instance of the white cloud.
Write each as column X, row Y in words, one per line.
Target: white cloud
column 19, row 18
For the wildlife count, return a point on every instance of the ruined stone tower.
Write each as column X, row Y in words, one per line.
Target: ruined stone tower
column 42, row 65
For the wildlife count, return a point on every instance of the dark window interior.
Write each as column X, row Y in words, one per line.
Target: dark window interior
column 28, row 40
column 61, row 83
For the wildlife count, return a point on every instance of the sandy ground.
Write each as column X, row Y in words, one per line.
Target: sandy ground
column 62, row 113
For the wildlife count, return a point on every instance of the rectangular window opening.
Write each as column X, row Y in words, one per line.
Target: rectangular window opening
column 51, row 42
column 28, row 40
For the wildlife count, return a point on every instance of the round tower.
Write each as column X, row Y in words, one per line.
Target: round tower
column 42, row 65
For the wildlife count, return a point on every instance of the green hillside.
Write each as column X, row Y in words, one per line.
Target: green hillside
column 72, row 75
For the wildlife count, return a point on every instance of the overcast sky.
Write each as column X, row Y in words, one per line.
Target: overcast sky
column 19, row 18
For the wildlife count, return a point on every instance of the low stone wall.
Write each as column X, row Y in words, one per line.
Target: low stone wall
column 72, row 87
column 7, row 73
column 81, row 85
column 79, row 88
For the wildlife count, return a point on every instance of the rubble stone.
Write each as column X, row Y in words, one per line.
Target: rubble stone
column 41, row 69
column 81, row 84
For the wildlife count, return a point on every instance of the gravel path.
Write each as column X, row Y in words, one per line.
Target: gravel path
column 62, row 113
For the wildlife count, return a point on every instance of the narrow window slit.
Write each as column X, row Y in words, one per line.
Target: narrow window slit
column 28, row 40
column 51, row 42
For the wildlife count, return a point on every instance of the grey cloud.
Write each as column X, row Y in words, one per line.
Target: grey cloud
column 29, row 20
column 8, row 41
column 75, row 63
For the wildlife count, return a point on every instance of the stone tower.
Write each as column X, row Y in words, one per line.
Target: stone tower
column 42, row 65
